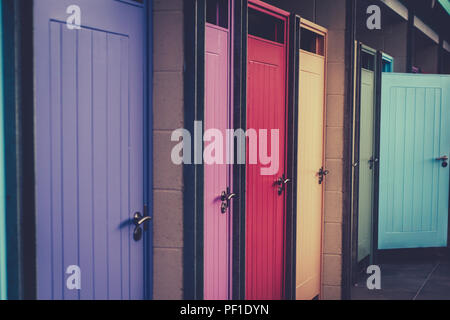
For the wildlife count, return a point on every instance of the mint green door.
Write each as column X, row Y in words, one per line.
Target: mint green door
column 414, row 178
column 2, row 178
column 366, row 174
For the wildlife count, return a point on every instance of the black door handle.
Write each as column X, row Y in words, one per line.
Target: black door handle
column 139, row 221
column 226, row 197
column 372, row 162
column 282, row 182
column 444, row 160
column 322, row 173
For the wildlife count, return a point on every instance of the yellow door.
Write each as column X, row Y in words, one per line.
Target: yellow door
column 310, row 160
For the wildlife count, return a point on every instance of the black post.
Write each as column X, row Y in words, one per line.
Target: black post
column 239, row 121
column 194, row 92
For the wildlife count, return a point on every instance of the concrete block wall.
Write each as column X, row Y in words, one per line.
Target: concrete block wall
column 426, row 53
column 332, row 15
column 168, row 113
column 392, row 39
column 427, row 58
column 447, row 62
column 396, row 45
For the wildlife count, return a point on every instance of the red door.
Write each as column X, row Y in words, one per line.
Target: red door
column 266, row 110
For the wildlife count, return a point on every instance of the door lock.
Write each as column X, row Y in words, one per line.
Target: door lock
column 139, row 221
column 444, row 160
column 372, row 162
column 322, row 174
column 281, row 182
column 226, row 197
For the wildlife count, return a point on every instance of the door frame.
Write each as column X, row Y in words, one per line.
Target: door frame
column 3, row 254
column 20, row 147
column 292, row 155
column 388, row 58
column 359, row 49
column 193, row 175
column 322, row 31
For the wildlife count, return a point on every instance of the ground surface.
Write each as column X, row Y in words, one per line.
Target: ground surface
column 409, row 279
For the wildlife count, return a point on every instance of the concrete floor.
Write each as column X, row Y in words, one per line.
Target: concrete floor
column 422, row 278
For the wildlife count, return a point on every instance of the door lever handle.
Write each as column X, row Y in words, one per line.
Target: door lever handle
column 138, row 221
column 226, row 197
column 282, row 182
column 322, row 174
column 372, row 162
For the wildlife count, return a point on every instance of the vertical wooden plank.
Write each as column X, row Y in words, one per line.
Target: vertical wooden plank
column 136, row 102
column 69, row 146
column 85, row 162
column 100, row 183
column 125, row 230
column 56, row 165
column 113, row 128
column 409, row 151
column 436, row 93
column 399, row 155
column 44, row 201
column 417, row 161
column 428, row 160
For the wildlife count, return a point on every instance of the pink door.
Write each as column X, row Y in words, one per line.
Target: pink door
column 217, row 215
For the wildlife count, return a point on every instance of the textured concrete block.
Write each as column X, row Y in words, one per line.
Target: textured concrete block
column 333, row 238
column 335, row 110
column 336, row 46
column 159, row 5
column 168, row 41
column 332, row 270
column 168, row 101
column 331, row 293
column 167, row 175
column 335, row 143
column 336, row 78
column 331, row 14
column 333, row 206
column 168, row 274
column 168, row 219
column 335, row 177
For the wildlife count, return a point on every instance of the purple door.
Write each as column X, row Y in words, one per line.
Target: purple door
column 89, row 148
column 217, row 215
